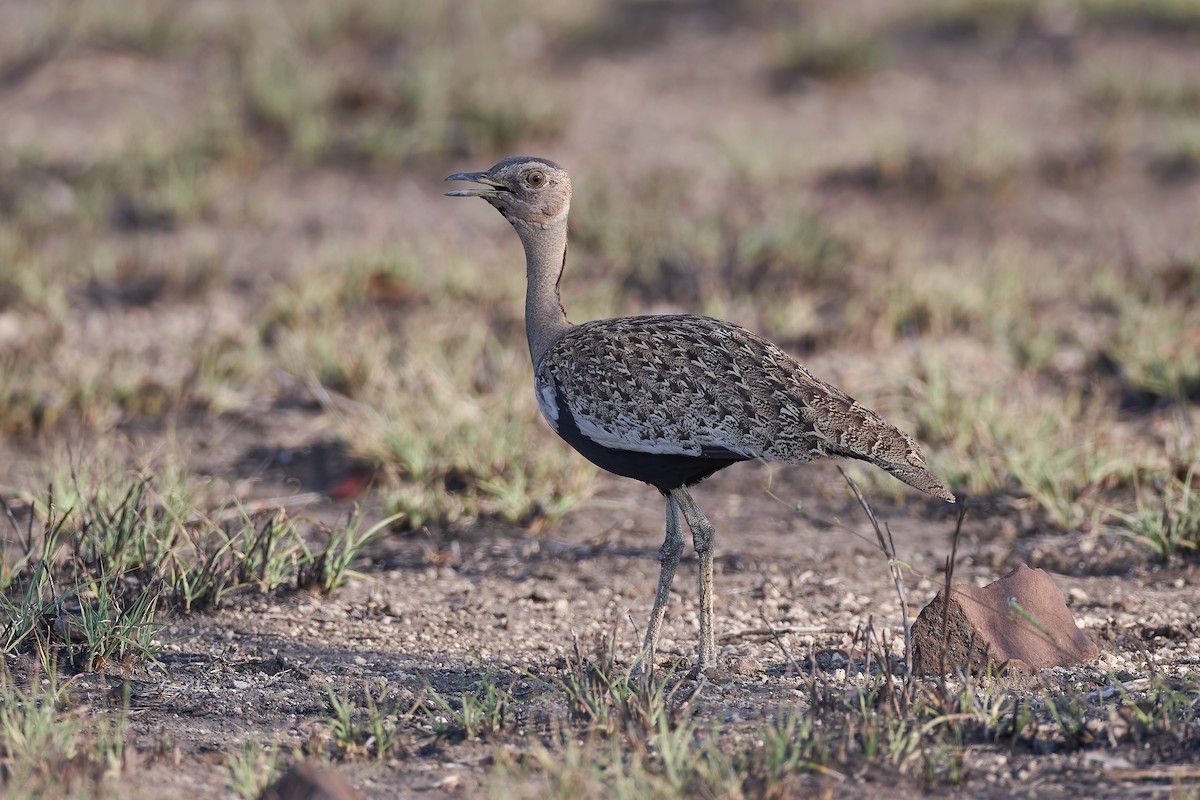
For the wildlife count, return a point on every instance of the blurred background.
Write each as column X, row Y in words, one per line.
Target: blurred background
column 225, row 256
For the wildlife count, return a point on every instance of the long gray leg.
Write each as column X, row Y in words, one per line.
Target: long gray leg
column 668, row 555
column 702, row 538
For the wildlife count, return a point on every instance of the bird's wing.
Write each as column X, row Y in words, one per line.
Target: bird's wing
column 690, row 385
column 666, row 384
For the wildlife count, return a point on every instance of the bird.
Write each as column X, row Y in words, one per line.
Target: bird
column 671, row 399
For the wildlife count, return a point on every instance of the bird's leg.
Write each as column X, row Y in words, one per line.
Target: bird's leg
column 668, row 555
column 702, row 539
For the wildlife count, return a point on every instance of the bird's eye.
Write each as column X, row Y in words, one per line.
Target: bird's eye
column 535, row 178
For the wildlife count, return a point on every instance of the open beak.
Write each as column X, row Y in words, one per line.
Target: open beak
column 494, row 187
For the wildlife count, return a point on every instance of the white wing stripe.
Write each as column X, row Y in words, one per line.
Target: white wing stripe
column 632, row 441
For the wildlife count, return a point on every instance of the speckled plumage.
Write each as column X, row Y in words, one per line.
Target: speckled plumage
column 691, row 385
column 672, row 399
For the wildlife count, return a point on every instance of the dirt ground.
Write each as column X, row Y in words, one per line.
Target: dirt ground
column 442, row 608
column 448, row 602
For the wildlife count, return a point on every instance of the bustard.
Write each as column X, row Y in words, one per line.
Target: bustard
column 670, row 399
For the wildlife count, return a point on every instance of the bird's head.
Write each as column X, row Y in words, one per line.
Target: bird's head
column 526, row 190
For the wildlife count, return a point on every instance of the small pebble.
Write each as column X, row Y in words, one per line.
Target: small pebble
column 747, row 667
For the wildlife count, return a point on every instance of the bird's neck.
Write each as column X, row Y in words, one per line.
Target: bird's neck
column 545, row 253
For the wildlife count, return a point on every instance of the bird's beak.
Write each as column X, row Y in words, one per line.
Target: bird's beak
column 494, row 187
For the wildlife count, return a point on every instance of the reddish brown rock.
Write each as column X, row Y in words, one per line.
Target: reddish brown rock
column 307, row 781
column 1020, row 620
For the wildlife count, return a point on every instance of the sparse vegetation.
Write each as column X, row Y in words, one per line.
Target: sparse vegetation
column 51, row 748
column 92, row 585
column 925, row 731
column 269, row 460
column 369, row 727
column 1175, row 16
column 1113, row 90
column 1167, row 519
column 252, row 769
column 486, row 710
column 802, row 54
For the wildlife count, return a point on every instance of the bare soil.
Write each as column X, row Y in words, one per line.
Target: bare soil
column 442, row 605
column 441, row 608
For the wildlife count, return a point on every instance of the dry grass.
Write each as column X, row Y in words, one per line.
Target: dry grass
column 389, row 356
column 246, row 229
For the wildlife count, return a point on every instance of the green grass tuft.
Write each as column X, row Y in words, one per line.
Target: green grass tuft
column 1167, row 519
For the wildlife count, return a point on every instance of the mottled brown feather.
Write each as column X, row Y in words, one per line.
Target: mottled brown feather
column 654, row 383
